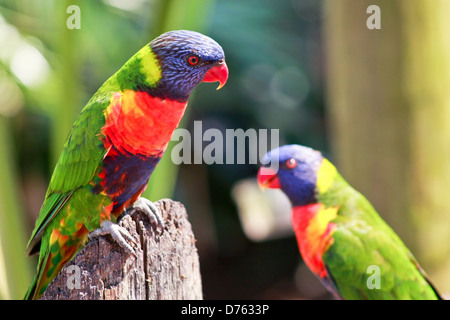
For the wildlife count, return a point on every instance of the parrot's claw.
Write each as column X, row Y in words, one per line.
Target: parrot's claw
column 151, row 211
column 118, row 233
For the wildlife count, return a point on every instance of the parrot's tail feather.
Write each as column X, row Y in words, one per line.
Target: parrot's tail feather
column 36, row 284
column 436, row 292
column 60, row 251
column 31, row 290
column 47, row 271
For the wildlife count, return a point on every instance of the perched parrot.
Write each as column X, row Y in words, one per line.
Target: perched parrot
column 114, row 146
column 341, row 237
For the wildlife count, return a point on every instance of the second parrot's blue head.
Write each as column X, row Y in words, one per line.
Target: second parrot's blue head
column 297, row 173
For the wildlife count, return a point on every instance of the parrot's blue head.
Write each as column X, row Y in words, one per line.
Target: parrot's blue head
column 298, row 167
column 187, row 58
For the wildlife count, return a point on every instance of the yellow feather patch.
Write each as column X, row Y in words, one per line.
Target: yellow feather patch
column 318, row 225
column 128, row 103
column 150, row 66
column 54, row 236
column 325, row 176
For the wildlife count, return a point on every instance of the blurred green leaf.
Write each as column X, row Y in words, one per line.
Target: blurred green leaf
column 13, row 263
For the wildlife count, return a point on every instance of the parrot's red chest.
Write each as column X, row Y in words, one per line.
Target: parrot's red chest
column 313, row 231
column 137, row 130
column 138, row 123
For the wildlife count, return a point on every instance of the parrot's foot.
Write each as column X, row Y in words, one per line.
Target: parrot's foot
column 151, row 211
column 119, row 234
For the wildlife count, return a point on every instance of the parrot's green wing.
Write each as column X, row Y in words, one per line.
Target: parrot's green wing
column 83, row 153
column 367, row 260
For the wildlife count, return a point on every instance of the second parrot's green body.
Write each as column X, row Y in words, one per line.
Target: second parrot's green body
column 341, row 237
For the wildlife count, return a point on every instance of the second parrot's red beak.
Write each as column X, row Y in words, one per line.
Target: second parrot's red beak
column 217, row 73
column 267, row 178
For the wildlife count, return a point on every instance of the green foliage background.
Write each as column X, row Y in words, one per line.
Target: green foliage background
column 275, row 53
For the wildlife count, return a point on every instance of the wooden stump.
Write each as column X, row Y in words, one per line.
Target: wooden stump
column 166, row 267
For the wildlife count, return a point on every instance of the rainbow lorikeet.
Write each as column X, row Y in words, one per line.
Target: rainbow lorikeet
column 114, row 146
column 341, row 237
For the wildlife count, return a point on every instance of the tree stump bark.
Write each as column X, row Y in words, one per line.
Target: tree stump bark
column 166, row 267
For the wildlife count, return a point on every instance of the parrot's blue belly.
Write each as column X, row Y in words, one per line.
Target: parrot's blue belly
column 124, row 176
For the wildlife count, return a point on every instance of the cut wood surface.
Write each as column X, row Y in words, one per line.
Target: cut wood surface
column 165, row 267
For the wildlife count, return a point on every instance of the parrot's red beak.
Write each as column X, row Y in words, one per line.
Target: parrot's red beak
column 217, row 73
column 267, row 178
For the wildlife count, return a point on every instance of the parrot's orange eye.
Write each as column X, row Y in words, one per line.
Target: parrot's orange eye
column 291, row 163
column 193, row 60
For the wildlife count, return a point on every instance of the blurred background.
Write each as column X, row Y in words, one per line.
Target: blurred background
column 376, row 102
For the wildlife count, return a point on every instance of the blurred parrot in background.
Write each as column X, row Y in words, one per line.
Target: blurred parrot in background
column 341, row 237
column 114, row 146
